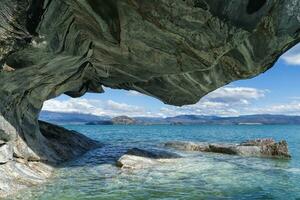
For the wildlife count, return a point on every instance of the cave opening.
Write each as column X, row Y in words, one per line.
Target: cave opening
column 269, row 94
column 177, row 52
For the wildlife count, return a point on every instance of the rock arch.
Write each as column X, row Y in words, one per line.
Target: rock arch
column 174, row 50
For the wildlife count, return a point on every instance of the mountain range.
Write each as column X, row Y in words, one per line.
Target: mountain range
column 79, row 118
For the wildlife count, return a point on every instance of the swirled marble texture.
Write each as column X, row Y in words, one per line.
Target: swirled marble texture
column 174, row 50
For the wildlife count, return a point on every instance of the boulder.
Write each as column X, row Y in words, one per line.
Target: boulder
column 259, row 148
column 268, row 147
column 139, row 158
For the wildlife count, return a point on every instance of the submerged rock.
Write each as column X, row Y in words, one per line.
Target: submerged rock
column 138, row 158
column 259, row 148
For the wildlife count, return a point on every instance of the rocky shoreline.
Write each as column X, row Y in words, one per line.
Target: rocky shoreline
column 143, row 158
column 176, row 53
column 20, row 173
column 256, row 148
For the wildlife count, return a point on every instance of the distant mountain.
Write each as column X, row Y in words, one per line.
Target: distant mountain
column 192, row 119
column 78, row 118
column 245, row 119
column 70, row 118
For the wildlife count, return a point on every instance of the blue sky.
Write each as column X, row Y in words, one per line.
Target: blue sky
column 274, row 92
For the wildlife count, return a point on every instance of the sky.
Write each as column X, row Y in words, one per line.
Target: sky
column 276, row 91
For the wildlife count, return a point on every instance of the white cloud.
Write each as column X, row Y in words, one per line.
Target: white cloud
column 291, row 108
column 75, row 105
column 239, row 95
column 226, row 101
column 292, row 57
column 95, row 107
column 122, row 107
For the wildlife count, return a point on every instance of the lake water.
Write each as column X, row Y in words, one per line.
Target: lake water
column 196, row 176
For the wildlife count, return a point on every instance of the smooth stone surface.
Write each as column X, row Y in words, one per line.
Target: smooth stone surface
column 19, row 173
column 139, row 158
column 258, row 148
column 16, row 176
column 67, row 144
column 6, row 153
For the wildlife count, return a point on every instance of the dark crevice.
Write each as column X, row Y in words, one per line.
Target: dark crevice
column 255, row 5
column 34, row 15
column 201, row 4
column 66, row 35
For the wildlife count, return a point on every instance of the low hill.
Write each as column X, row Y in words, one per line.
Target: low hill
column 78, row 118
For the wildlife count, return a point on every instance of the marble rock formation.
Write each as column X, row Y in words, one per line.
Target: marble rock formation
column 139, row 158
column 17, row 172
column 174, row 50
column 257, row 148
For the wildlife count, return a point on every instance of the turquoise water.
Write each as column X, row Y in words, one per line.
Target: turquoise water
column 196, row 176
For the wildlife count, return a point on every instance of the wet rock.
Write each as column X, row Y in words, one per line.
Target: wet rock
column 19, row 171
column 153, row 153
column 269, row 147
column 188, row 146
column 65, row 143
column 222, row 148
column 259, row 148
column 138, row 158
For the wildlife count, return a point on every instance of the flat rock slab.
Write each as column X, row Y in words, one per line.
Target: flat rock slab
column 257, row 148
column 138, row 158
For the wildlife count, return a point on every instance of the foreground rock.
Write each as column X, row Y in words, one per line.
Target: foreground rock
column 66, row 144
column 17, row 172
column 259, row 148
column 138, row 158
